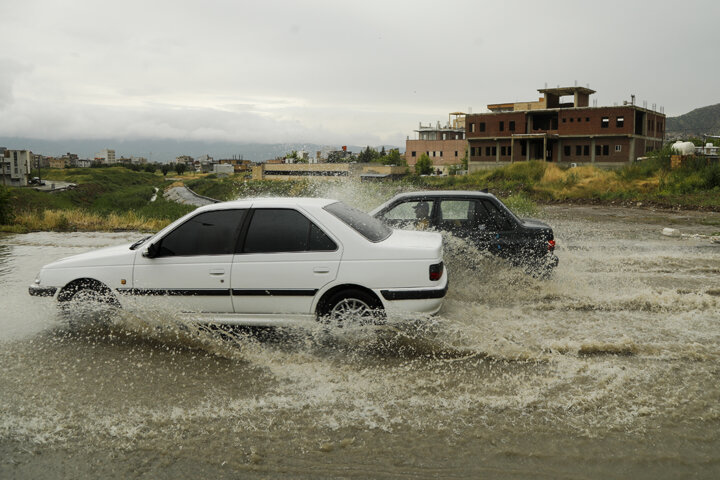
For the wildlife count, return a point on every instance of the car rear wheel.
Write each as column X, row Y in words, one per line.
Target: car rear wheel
column 354, row 307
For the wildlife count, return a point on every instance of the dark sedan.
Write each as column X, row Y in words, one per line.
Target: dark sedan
column 478, row 217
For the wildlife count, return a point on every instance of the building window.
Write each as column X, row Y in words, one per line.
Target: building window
column 572, row 120
column 587, row 119
column 578, row 150
column 456, row 153
column 512, row 125
column 564, row 120
column 566, row 150
column 502, row 126
column 494, row 151
column 606, row 149
column 472, row 128
column 444, row 136
column 502, row 151
column 598, row 150
column 482, row 126
column 605, row 123
column 414, row 153
column 441, row 153
column 618, row 148
column 579, row 119
column 620, row 121
column 488, row 151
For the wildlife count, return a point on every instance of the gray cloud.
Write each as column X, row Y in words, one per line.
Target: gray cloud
column 328, row 71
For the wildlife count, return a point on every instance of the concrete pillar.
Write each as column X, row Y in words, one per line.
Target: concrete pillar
column 560, row 151
column 497, row 151
column 631, row 153
column 544, row 154
column 527, row 150
column 592, row 151
column 512, row 149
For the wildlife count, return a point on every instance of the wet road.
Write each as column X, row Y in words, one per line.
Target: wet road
column 610, row 369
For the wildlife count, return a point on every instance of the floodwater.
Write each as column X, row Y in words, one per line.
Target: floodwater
column 609, row 369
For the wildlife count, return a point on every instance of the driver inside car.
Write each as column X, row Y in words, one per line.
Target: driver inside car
column 422, row 215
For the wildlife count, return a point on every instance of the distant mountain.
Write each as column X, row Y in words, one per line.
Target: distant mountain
column 161, row 150
column 705, row 120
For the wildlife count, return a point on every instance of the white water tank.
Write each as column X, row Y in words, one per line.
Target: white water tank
column 683, row 148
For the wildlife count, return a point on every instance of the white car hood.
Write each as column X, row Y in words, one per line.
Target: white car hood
column 105, row 257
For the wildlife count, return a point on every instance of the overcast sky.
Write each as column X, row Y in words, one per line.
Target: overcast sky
column 334, row 72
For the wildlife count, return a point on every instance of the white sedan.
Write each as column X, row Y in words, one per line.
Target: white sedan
column 265, row 261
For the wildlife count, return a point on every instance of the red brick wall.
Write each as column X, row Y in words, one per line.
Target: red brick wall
column 446, row 147
column 588, row 121
column 492, row 124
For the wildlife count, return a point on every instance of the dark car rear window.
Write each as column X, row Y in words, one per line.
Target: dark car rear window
column 367, row 226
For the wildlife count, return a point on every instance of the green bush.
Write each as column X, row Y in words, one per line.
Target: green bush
column 5, row 207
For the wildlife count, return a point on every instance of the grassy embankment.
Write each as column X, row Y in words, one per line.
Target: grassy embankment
column 696, row 185
column 106, row 199
column 521, row 185
column 118, row 199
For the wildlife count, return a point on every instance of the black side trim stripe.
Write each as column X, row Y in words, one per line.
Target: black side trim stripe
column 214, row 293
column 175, row 292
column 275, row 293
column 414, row 294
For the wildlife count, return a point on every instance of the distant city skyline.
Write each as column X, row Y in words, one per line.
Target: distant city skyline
column 328, row 72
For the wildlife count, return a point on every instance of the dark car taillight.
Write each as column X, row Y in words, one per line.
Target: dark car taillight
column 436, row 271
column 551, row 245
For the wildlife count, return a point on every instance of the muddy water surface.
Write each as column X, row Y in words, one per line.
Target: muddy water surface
column 610, row 369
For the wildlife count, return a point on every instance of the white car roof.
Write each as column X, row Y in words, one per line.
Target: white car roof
column 270, row 202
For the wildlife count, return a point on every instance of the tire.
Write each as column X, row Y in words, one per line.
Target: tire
column 89, row 305
column 353, row 307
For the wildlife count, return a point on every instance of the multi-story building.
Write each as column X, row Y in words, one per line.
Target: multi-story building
column 445, row 145
column 570, row 132
column 106, row 156
column 15, row 167
column 56, row 162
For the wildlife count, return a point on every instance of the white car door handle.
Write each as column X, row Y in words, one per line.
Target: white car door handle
column 217, row 271
column 321, row 270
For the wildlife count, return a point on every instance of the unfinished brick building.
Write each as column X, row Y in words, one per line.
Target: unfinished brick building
column 570, row 132
column 445, row 145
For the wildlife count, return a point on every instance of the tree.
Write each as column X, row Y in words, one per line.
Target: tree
column 368, row 155
column 180, row 168
column 165, row 168
column 424, row 165
column 465, row 160
column 393, row 157
column 150, row 168
column 382, row 152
